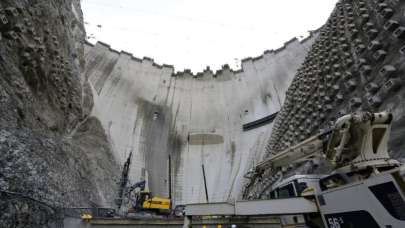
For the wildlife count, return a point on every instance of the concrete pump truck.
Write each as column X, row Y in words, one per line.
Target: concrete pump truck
column 365, row 188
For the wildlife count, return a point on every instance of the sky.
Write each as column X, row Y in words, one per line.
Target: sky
column 194, row 34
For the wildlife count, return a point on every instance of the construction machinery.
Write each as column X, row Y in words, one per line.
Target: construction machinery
column 123, row 181
column 138, row 199
column 351, row 181
column 142, row 200
column 362, row 187
column 355, row 142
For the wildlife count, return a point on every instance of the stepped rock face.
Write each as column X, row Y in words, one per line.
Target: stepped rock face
column 356, row 64
column 52, row 154
column 196, row 119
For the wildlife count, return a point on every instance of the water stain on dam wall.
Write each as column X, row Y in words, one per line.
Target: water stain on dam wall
column 177, row 162
column 155, row 132
column 205, row 139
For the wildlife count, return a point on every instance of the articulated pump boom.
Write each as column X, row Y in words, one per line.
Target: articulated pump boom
column 357, row 184
column 356, row 141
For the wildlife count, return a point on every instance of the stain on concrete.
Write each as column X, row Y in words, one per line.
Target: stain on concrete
column 205, row 139
column 155, row 128
column 232, row 153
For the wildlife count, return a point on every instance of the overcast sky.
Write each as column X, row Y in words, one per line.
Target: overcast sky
column 193, row 34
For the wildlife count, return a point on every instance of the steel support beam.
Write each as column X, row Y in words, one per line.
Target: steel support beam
column 208, row 209
column 276, row 207
column 297, row 205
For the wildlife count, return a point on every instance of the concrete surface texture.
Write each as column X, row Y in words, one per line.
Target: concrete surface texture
column 356, row 64
column 195, row 118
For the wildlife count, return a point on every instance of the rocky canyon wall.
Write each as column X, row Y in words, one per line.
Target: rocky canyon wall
column 52, row 154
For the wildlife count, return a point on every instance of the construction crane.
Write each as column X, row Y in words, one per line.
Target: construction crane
column 123, row 181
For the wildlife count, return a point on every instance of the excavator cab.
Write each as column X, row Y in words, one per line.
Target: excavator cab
column 140, row 198
column 144, row 201
column 158, row 204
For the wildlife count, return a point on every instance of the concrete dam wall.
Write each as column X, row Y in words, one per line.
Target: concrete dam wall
column 195, row 118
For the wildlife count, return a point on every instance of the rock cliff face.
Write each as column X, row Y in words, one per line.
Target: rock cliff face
column 356, row 64
column 195, row 118
column 51, row 154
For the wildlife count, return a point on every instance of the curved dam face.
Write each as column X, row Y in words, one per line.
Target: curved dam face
column 196, row 119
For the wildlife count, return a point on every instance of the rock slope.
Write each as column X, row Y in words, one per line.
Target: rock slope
column 51, row 154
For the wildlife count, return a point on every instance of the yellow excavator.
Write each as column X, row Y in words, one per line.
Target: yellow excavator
column 140, row 200
column 144, row 201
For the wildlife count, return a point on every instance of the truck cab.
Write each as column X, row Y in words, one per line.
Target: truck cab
column 365, row 187
column 295, row 186
column 377, row 201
